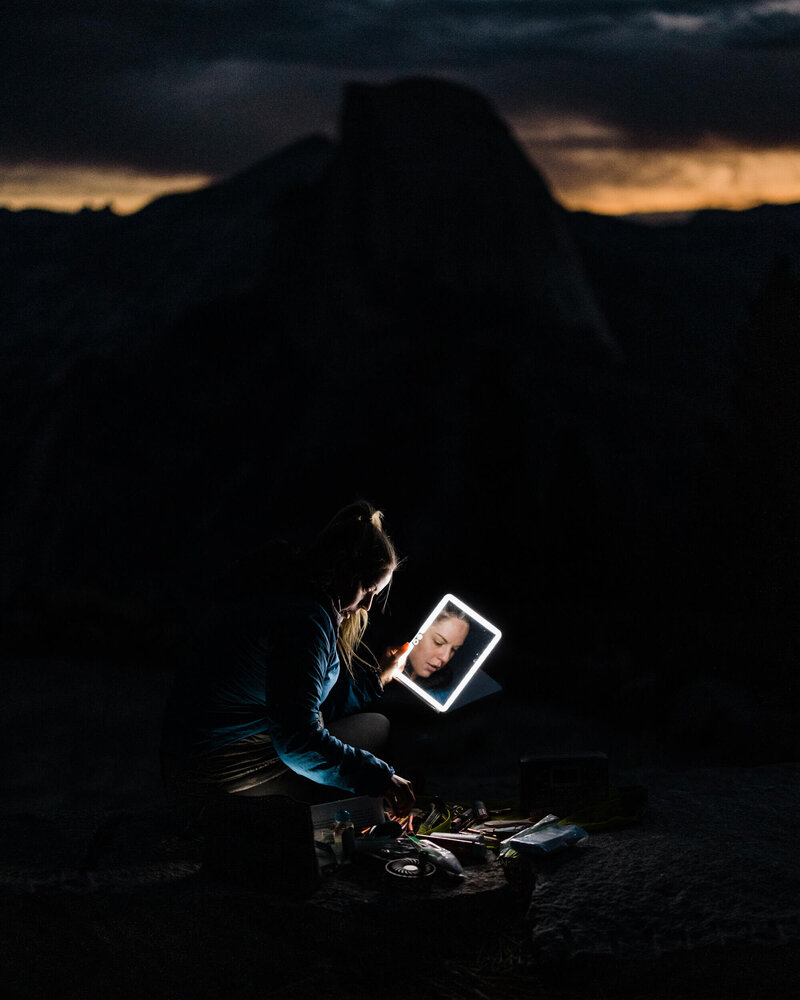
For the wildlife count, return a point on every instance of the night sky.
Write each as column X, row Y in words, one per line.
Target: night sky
column 625, row 105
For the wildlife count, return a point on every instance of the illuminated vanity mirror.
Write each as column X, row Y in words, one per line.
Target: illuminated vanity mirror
column 447, row 652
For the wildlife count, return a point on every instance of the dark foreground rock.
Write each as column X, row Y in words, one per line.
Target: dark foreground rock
column 130, row 920
column 133, row 922
column 100, row 898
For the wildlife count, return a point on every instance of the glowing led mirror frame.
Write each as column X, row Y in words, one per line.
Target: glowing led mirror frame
column 494, row 632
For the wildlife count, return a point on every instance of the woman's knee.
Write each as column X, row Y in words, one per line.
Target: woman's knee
column 367, row 730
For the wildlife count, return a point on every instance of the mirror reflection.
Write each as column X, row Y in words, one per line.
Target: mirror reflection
column 447, row 652
column 428, row 661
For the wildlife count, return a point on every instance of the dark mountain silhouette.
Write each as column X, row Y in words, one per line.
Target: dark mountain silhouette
column 265, row 375
column 745, row 524
column 77, row 289
column 405, row 314
column 432, row 198
column 677, row 295
column 96, row 283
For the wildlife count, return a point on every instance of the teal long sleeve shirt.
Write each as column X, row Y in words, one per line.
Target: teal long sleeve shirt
column 272, row 667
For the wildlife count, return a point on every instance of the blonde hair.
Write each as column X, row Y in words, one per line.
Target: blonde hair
column 351, row 632
column 352, row 550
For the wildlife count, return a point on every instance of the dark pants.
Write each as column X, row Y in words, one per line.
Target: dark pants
column 252, row 768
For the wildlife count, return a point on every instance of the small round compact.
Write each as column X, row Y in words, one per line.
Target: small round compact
column 409, row 871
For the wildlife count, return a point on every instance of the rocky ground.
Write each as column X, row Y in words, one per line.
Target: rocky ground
column 99, row 897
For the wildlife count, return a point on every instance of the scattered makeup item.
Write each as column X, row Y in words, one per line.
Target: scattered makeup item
column 410, row 871
column 462, row 820
column 438, row 820
column 444, row 859
column 469, row 848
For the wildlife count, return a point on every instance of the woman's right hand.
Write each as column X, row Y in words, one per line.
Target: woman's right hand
column 400, row 796
column 393, row 661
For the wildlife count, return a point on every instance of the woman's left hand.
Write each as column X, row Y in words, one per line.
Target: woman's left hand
column 400, row 796
column 393, row 661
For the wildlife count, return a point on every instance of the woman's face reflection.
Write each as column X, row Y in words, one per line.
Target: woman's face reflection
column 437, row 646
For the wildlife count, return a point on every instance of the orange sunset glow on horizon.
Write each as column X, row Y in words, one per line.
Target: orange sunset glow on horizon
column 605, row 181
column 644, row 183
column 633, row 108
column 69, row 189
column 591, row 167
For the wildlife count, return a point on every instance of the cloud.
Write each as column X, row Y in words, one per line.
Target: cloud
column 205, row 87
column 773, row 24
